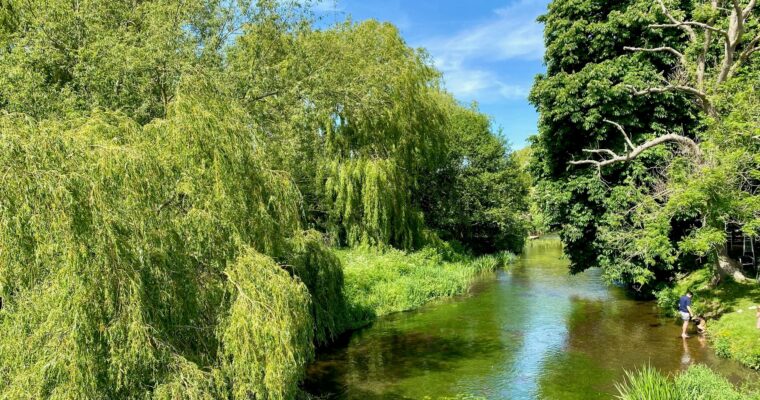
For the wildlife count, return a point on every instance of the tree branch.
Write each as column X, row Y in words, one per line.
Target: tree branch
column 689, row 31
column 670, row 88
column 751, row 48
column 636, row 151
column 737, row 7
column 692, row 23
column 705, row 102
column 748, row 10
column 623, row 132
column 666, row 49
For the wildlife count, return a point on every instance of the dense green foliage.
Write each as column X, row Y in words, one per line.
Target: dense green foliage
column 479, row 195
column 175, row 171
column 645, row 220
column 697, row 382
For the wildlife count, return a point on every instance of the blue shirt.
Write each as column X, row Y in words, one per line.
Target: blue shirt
column 683, row 303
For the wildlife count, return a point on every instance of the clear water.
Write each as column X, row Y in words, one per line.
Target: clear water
column 533, row 332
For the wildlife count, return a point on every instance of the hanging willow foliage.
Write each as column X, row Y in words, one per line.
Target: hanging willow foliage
column 322, row 272
column 157, row 252
column 341, row 103
column 267, row 336
column 116, row 243
column 371, row 203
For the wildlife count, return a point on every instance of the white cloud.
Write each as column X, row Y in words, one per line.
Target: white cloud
column 481, row 85
column 512, row 34
column 513, row 91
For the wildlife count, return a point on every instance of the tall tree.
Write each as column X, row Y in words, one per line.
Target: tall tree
column 693, row 53
column 63, row 56
column 588, row 73
column 479, row 196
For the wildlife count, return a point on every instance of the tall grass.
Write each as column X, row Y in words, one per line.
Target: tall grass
column 383, row 282
column 648, row 384
column 697, row 383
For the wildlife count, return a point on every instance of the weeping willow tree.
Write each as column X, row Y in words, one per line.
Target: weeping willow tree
column 322, row 272
column 371, row 202
column 353, row 114
column 170, row 193
column 134, row 259
column 383, row 133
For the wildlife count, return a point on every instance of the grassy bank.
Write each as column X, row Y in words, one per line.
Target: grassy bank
column 378, row 283
column 696, row 383
column 728, row 307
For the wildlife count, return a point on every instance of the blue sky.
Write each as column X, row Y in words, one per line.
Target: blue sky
column 488, row 50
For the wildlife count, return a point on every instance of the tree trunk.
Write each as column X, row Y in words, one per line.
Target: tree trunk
column 727, row 266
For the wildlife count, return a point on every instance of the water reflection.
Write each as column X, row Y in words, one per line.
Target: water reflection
column 533, row 332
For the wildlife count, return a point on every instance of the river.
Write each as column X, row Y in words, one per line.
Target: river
column 533, row 332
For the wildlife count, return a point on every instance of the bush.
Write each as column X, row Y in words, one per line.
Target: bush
column 667, row 301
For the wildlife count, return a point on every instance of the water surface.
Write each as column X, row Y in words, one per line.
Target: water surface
column 528, row 333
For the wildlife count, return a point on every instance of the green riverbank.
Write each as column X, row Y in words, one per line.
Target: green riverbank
column 383, row 282
column 533, row 331
column 729, row 309
column 697, row 382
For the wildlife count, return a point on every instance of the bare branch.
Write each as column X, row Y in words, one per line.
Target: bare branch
column 622, row 131
column 669, row 88
column 748, row 10
column 737, row 7
column 670, row 50
column 704, row 101
column 689, row 31
column 681, row 140
column 601, row 151
column 692, row 23
column 751, row 48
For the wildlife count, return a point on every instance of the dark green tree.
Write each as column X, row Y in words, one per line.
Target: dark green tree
column 478, row 197
column 640, row 218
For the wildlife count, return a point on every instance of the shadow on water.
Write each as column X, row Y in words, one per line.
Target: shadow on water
column 396, row 355
column 533, row 332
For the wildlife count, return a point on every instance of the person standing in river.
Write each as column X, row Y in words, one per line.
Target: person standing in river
column 684, row 309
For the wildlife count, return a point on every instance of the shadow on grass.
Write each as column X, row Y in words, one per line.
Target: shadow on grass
column 730, row 296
